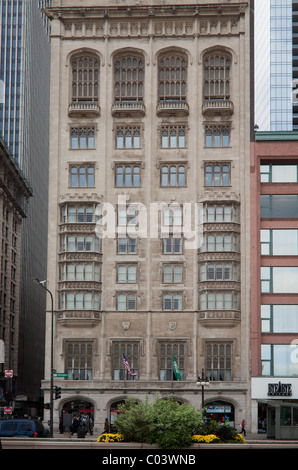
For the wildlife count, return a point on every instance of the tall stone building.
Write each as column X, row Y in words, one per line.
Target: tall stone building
column 150, row 128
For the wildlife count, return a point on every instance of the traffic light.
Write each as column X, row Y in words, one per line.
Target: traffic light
column 57, row 392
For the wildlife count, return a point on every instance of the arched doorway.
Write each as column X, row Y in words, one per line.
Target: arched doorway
column 221, row 411
column 75, row 407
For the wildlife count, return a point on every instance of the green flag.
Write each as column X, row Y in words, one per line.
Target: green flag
column 176, row 369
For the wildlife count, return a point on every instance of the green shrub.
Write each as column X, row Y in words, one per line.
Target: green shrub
column 163, row 422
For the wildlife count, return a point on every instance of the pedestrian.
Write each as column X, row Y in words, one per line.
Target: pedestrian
column 243, row 428
column 75, row 425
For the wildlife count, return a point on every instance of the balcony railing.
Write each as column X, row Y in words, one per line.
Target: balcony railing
column 128, row 107
column 80, row 109
column 217, row 106
column 172, row 107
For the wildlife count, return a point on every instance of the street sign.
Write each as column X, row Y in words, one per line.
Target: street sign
column 8, row 373
column 8, row 410
column 60, row 374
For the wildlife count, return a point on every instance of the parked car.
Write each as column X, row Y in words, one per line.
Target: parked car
column 22, row 427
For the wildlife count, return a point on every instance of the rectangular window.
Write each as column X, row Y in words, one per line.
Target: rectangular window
column 131, row 351
column 220, row 213
column 277, row 173
column 172, row 175
column 279, row 318
column 220, row 243
column 128, row 137
column 279, row 360
column 219, row 361
column 279, row 280
column 79, row 301
column 219, row 301
column 168, row 350
column 279, row 205
column 219, row 272
column 173, row 137
column 82, row 176
column 217, row 136
column 127, row 273
column 172, row 245
column 82, row 138
column 127, row 176
column 279, row 242
column 172, row 302
column 126, row 302
column 172, row 273
column 79, row 360
column 80, row 243
column 127, row 245
column 217, row 174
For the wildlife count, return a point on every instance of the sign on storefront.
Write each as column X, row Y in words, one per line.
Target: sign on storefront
column 279, row 389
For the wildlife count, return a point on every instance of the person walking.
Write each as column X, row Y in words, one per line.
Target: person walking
column 243, row 428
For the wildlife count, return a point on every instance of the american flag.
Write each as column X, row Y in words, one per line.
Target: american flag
column 127, row 366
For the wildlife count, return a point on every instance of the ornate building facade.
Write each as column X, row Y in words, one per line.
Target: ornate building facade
column 149, row 147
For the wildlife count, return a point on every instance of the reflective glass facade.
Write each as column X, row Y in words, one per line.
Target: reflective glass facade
column 273, row 65
column 24, row 123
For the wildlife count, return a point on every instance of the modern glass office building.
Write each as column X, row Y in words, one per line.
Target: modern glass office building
column 274, row 64
column 24, row 122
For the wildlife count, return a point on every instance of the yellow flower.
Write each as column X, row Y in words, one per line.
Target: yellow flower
column 110, row 438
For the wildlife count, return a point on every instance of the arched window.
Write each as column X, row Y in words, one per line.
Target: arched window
column 129, row 78
column 172, row 72
column 85, row 79
column 217, row 66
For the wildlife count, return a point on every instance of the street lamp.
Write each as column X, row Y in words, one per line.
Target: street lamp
column 42, row 284
column 203, row 381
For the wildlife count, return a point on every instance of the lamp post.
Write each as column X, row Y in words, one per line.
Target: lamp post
column 203, row 381
column 42, row 284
